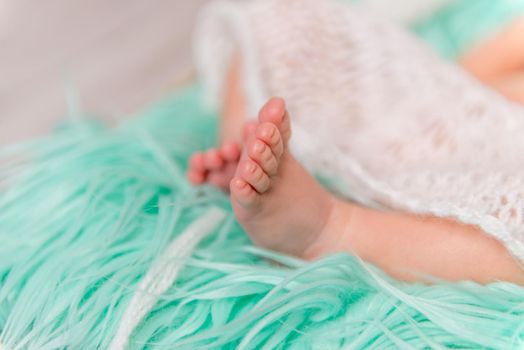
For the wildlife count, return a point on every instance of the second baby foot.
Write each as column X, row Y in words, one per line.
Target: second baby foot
column 217, row 166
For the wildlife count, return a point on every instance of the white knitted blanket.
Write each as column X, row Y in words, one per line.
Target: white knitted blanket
column 375, row 109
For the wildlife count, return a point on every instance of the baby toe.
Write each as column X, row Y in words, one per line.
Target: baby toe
column 249, row 129
column 253, row 174
column 272, row 111
column 230, row 151
column 243, row 193
column 213, row 159
column 269, row 133
column 263, row 156
column 275, row 112
column 197, row 163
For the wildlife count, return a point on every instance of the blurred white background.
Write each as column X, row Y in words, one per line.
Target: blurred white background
column 117, row 55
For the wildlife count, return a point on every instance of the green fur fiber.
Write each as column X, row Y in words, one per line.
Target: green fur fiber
column 85, row 212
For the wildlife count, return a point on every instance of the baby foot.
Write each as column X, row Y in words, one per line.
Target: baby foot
column 277, row 202
column 217, row 166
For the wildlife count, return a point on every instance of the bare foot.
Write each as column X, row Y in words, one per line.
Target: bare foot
column 283, row 208
column 277, row 202
column 217, row 166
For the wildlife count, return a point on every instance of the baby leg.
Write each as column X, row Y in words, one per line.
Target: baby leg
column 282, row 207
column 499, row 61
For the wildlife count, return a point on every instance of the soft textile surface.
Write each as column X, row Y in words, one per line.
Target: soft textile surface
column 372, row 107
column 87, row 212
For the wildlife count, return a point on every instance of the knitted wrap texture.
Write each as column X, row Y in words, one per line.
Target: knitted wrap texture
column 376, row 110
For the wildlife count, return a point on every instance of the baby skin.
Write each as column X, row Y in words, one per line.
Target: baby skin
column 282, row 207
column 265, row 182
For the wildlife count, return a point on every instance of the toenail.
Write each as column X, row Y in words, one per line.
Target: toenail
column 239, row 183
column 268, row 132
column 259, row 147
column 250, row 167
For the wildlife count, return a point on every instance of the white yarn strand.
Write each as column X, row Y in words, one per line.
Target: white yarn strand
column 163, row 273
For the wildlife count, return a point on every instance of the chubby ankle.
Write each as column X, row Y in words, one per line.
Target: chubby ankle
column 336, row 232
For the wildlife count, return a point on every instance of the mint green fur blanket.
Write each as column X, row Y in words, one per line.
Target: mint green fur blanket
column 86, row 212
